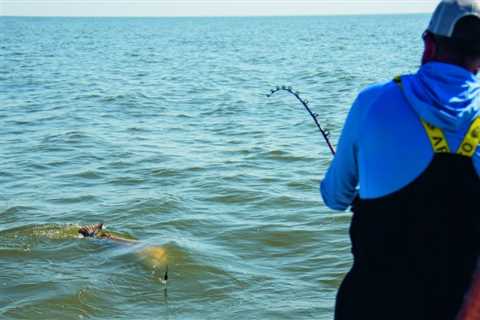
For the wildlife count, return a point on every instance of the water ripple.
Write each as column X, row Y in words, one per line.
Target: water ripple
column 161, row 129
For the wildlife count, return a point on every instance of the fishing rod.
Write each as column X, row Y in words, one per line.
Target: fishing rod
column 314, row 116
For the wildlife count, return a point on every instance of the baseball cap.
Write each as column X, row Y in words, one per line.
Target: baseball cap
column 449, row 12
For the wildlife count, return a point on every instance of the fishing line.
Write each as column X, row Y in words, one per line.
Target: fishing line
column 296, row 94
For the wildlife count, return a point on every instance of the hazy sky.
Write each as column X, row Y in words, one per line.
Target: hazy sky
column 208, row 7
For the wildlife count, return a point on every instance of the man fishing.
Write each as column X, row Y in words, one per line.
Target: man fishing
column 409, row 155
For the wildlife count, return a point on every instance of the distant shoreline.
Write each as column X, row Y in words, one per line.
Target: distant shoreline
column 209, row 17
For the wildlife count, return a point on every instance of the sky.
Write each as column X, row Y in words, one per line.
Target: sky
column 170, row 8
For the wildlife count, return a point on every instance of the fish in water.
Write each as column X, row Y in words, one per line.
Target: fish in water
column 153, row 255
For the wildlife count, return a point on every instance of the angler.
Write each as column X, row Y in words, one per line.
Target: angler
column 409, row 155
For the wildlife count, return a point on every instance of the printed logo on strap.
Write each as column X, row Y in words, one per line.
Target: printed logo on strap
column 437, row 138
column 471, row 141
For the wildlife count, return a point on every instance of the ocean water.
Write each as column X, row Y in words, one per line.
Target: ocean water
column 160, row 128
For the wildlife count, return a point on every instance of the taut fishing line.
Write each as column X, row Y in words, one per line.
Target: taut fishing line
column 296, row 94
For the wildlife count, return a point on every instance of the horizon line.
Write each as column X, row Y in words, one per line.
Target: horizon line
column 224, row 16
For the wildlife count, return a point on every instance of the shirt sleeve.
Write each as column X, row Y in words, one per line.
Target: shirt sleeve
column 339, row 187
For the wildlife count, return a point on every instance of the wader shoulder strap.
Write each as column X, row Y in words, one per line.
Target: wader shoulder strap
column 435, row 135
column 437, row 138
column 471, row 141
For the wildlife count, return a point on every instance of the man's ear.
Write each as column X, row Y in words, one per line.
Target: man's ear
column 430, row 51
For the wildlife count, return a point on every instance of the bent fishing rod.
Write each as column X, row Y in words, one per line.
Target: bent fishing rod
column 296, row 94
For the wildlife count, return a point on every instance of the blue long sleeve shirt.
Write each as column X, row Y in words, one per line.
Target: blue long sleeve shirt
column 383, row 146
